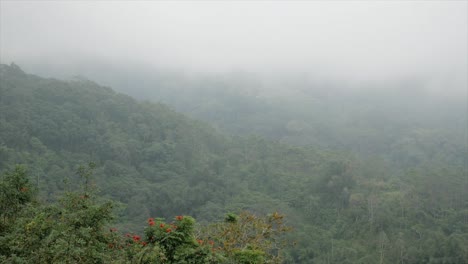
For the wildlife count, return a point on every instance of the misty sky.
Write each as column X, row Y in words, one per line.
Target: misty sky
column 352, row 39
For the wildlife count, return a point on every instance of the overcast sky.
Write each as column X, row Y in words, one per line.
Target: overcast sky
column 346, row 39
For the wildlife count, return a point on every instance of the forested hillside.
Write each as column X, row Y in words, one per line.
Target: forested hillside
column 401, row 121
column 406, row 206
column 145, row 151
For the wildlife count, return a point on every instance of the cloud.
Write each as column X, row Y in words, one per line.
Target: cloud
column 356, row 39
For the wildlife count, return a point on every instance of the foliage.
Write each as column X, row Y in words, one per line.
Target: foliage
column 399, row 198
column 15, row 193
column 74, row 232
column 69, row 232
column 248, row 238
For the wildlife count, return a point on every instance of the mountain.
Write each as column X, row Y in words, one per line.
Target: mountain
column 153, row 161
column 150, row 158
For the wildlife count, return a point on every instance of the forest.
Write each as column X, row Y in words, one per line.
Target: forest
column 91, row 175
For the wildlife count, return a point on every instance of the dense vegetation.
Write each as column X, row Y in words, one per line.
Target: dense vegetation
column 406, row 206
column 73, row 231
column 400, row 121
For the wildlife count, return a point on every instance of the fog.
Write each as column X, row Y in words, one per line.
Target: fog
column 336, row 40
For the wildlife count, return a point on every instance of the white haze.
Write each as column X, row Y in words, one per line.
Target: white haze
column 343, row 40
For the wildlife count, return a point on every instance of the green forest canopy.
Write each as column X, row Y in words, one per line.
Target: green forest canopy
column 154, row 162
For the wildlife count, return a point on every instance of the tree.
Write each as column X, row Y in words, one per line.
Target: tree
column 15, row 193
column 70, row 232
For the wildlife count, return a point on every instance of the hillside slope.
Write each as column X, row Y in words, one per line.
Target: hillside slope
column 149, row 157
column 156, row 162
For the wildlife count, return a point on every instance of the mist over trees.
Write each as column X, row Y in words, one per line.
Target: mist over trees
column 233, row 132
column 156, row 162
